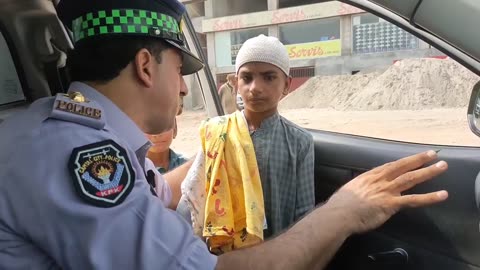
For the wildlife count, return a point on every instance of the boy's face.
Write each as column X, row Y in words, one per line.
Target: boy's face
column 161, row 142
column 261, row 86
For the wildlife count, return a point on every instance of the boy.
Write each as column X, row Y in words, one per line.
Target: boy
column 254, row 191
column 284, row 151
column 162, row 156
column 160, row 160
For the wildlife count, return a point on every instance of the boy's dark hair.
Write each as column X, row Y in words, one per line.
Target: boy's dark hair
column 101, row 59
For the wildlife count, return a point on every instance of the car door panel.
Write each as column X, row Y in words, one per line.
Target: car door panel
column 355, row 255
column 435, row 236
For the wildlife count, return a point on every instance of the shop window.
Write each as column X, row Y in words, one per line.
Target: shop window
column 310, row 31
column 227, row 44
column 372, row 34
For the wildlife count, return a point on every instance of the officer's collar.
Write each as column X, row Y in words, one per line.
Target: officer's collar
column 116, row 118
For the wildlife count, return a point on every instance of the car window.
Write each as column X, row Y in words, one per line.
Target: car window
column 385, row 84
column 352, row 72
column 10, row 86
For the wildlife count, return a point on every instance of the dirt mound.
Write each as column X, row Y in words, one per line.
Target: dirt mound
column 326, row 91
column 410, row 84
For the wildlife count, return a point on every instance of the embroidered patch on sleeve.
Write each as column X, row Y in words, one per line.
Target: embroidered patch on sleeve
column 102, row 173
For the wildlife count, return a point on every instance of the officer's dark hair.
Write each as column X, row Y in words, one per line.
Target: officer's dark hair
column 101, row 59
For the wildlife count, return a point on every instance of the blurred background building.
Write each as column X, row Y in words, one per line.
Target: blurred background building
column 325, row 38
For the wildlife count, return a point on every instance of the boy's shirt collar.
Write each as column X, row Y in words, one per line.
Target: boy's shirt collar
column 266, row 123
column 270, row 121
column 175, row 160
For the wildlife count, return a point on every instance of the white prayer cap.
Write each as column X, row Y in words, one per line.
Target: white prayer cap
column 263, row 49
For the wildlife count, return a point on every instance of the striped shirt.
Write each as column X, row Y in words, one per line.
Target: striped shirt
column 285, row 157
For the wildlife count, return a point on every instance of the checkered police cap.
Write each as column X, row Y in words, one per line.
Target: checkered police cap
column 150, row 18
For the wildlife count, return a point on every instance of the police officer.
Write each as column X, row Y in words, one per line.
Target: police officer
column 73, row 190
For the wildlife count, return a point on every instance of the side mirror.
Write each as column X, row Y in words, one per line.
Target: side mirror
column 473, row 113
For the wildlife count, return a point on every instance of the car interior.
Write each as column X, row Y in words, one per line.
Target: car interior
column 33, row 43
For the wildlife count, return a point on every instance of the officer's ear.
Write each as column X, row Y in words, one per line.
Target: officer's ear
column 144, row 65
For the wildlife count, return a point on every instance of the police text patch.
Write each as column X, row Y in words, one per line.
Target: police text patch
column 102, row 173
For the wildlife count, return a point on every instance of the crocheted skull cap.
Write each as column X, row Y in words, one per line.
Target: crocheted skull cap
column 263, row 49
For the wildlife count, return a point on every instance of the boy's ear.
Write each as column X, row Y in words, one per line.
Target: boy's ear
column 288, row 83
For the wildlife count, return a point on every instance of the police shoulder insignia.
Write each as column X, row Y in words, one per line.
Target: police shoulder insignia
column 102, row 173
column 74, row 107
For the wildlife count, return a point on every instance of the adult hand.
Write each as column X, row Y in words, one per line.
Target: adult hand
column 375, row 196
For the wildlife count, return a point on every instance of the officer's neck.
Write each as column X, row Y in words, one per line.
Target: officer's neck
column 119, row 91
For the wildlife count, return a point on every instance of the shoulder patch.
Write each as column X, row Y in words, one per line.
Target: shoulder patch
column 74, row 107
column 102, row 173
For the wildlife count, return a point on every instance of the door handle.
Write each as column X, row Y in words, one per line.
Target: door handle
column 477, row 190
column 397, row 256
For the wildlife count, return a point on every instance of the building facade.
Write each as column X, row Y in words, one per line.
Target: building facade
column 328, row 38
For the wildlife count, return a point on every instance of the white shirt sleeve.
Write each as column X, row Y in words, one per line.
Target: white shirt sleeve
column 194, row 194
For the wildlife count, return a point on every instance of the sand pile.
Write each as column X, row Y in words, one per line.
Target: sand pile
column 326, row 91
column 411, row 84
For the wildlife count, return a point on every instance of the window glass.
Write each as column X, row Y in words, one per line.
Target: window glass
column 10, row 87
column 370, row 34
column 196, row 9
column 402, row 88
column 365, row 19
column 292, row 3
column 356, row 73
column 202, row 38
column 223, row 8
column 310, row 31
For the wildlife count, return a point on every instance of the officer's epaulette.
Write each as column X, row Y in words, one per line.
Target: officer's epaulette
column 74, row 107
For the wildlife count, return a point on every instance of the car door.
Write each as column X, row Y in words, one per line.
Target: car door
column 444, row 236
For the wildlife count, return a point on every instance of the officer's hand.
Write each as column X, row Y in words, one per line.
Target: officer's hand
column 375, row 196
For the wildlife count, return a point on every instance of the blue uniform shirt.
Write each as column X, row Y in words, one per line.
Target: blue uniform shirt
column 46, row 224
